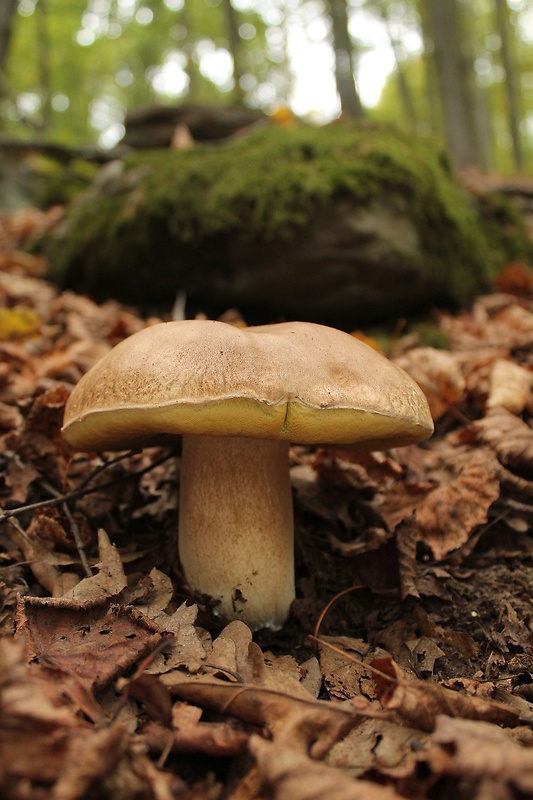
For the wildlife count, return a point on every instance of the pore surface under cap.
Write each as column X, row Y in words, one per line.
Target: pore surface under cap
column 293, row 381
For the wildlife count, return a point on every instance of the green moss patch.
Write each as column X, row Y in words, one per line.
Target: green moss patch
column 165, row 216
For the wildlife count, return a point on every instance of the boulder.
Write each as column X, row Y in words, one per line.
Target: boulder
column 344, row 224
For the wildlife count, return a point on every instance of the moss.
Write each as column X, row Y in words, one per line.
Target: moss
column 165, row 206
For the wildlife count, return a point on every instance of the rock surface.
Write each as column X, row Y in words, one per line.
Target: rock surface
column 345, row 224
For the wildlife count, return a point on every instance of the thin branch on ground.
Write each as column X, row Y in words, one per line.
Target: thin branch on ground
column 82, row 492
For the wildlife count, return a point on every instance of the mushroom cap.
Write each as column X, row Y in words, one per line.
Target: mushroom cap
column 293, row 381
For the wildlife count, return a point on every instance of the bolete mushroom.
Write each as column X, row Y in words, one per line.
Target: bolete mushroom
column 239, row 397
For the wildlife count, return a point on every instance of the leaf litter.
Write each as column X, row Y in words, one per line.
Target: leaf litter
column 406, row 667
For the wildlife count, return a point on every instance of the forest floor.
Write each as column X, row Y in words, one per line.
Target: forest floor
column 406, row 667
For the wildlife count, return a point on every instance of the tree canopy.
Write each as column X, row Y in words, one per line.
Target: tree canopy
column 463, row 71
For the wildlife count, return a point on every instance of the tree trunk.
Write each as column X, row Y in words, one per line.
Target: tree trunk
column 43, row 50
column 191, row 68
column 513, row 114
column 235, row 47
column 7, row 16
column 404, row 89
column 453, row 80
column 344, row 62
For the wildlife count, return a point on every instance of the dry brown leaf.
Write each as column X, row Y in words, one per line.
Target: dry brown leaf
column 406, row 537
column 419, row 703
column 307, row 724
column 188, row 648
column 379, row 745
column 447, row 517
column 19, row 478
column 110, row 578
column 44, row 562
column 344, row 677
column 475, row 750
column 286, row 774
column 97, row 641
column 90, row 759
column 29, row 715
column 231, row 651
column 509, row 386
column 460, row 640
column 509, row 436
column 438, row 374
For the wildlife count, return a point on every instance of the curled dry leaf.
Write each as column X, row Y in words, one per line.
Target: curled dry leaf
column 475, row 750
column 419, row 703
column 305, row 724
column 406, row 537
column 382, row 746
column 447, row 517
column 438, row 374
column 110, row 578
column 509, row 386
column 510, row 438
column 97, row 641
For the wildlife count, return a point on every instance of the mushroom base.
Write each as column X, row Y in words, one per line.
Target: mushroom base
column 236, row 530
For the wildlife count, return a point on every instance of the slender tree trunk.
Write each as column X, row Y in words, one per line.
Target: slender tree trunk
column 406, row 95
column 44, row 52
column 235, row 47
column 344, row 61
column 7, row 16
column 191, row 68
column 432, row 106
column 453, row 80
column 513, row 113
column 284, row 65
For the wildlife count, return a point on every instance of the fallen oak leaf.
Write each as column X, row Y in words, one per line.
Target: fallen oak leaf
column 109, row 580
column 97, row 640
column 447, row 517
column 419, row 703
column 309, row 724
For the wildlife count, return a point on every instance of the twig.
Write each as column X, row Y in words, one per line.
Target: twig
column 81, row 492
column 329, row 604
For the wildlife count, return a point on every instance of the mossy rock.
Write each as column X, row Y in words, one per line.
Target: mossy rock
column 342, row 224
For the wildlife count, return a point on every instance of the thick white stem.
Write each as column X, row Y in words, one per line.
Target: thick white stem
column 236, row 535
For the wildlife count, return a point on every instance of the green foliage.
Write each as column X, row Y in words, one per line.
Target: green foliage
column 91, row 75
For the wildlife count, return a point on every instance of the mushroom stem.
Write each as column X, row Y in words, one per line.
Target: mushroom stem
column 236, row 534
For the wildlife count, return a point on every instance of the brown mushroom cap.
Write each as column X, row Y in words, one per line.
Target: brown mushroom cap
column 295, row 381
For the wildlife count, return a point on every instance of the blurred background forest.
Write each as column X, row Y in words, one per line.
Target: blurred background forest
column 460, row 70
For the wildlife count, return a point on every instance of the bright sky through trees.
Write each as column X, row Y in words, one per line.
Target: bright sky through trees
column 75, row 67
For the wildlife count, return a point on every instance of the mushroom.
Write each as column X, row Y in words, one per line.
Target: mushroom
column 239, row 397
